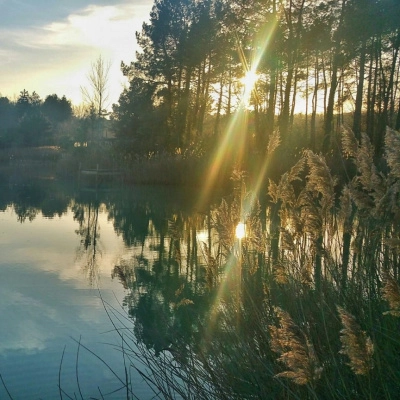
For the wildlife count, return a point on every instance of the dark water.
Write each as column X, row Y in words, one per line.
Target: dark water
column 64, row 252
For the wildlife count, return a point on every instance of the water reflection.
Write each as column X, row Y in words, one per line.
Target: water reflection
column 57, row 244
column 179, row 268
column 87, row 216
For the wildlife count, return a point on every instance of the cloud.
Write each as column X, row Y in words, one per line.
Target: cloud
column 30, row 333
column 56, row 56
column 109, row 28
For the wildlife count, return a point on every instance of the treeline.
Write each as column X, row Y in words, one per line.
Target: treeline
column 336, row 57
column 30, row 121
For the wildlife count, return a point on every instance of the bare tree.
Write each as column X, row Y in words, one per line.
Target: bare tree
column 96, row 94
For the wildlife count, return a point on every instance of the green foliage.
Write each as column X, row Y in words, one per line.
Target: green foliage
column 34, row 129
column 31, row 122
column 57, row 109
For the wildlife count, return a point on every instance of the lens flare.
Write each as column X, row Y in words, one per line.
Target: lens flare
column 240, row 231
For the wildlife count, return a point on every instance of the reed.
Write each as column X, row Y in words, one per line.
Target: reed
column 309, row 318
column 305, row 306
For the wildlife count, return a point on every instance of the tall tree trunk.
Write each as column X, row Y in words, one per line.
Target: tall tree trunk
column 204, row 97
column 314, row 105
column 387, row 93
column 270, row 114
column 284, row 117
column 359, row 95
column 373, row 96
column 306, row 95
column 186, row 132
column 328, row 131
column 328, row 125
column 397, row 125
column 293, row 102
column 219, row 106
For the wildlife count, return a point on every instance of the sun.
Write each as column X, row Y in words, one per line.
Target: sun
column 249, row 80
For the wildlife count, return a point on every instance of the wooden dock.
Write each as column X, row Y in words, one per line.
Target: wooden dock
column 98, row 173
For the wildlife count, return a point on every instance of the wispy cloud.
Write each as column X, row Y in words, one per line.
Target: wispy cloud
column 58, row 54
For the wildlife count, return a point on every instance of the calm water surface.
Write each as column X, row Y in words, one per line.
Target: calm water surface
column 59, row 253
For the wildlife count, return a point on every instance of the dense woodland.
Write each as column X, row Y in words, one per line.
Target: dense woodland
column 332, row 61
column 333, row 57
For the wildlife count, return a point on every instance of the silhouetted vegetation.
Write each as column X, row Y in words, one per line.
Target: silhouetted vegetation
column 215, row 316
column 331, row 56
column 332, row 61
column 306, row 305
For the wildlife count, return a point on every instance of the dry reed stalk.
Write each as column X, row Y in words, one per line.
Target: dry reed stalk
column 296, row 351
column 280, row 275
column 355, row 344
column 211, row 266
column 391, row 293
column 345, row 211
column 392, row 150
column 349, row 142
column 225, row 219
column 284, row 190
column 320, row 180
column 273, row 143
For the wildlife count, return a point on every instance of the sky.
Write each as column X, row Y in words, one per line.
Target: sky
column 48, row 46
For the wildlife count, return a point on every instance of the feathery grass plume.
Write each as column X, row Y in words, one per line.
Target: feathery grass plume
column 287, row 241
column 391, row 293
column 368, row 176
column 392, row 150
column 273, row 143
column 295, row 349
column 182, row 302
column 306, row 271
column 273, row 191
column 280, row 274
column 297, row 169
column 311, row 215
column 250, row 214
column 284, row 190
column 355, row 344
column 224, row 219
column 349, row 142
column 124, row 273
column 345, row 210
column 320, row 180
column 211, row 267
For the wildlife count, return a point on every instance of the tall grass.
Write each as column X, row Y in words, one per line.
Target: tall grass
column 317, row 316
column 305, row 306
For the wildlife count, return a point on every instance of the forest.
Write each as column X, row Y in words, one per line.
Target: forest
column 212, row 69
column 324, row 59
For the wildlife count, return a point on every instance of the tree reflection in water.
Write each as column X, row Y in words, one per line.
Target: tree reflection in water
column 209, row 316
column 185, row 296
column 87, row 215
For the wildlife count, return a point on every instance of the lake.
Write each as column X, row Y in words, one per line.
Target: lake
column 64, row 257
column 150, row 293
